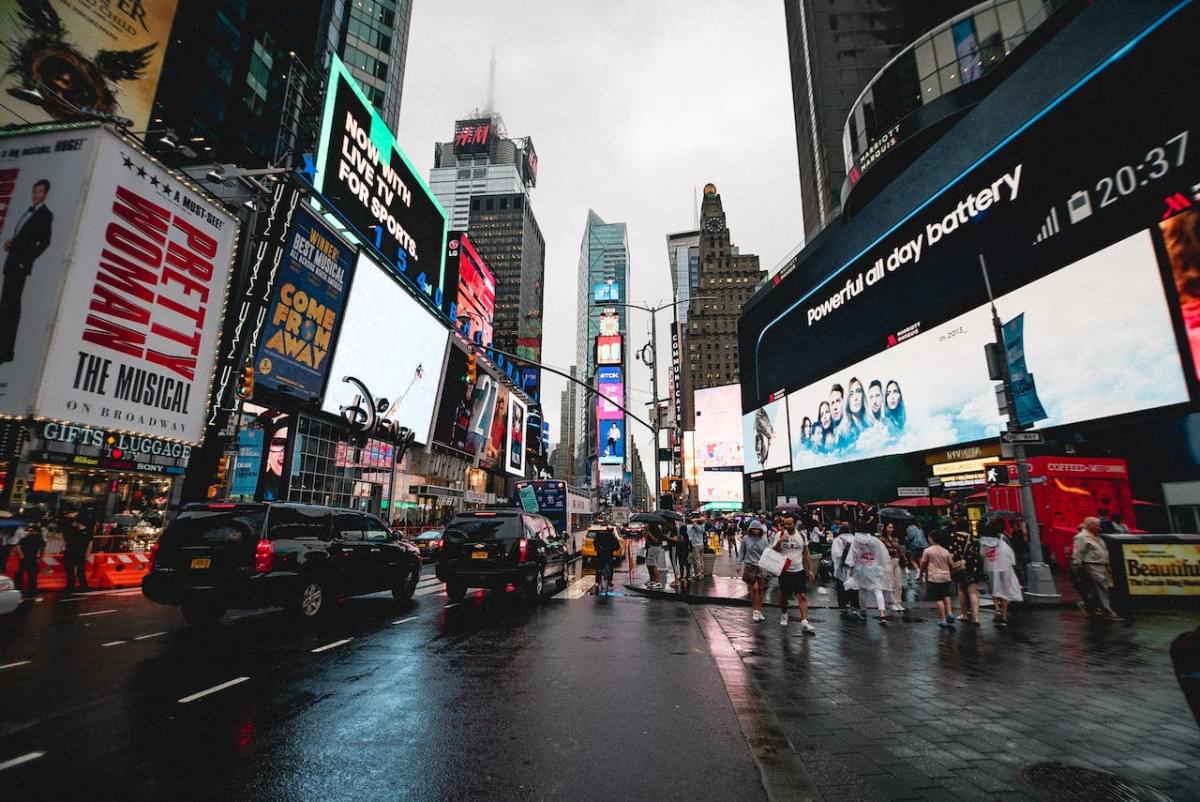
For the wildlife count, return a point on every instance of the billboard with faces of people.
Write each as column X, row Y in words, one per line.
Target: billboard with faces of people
column 765, row 438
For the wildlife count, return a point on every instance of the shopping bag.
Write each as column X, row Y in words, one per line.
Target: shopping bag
column 772, row 562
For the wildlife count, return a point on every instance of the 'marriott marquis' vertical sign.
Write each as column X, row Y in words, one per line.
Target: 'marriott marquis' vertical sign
column 363, row 172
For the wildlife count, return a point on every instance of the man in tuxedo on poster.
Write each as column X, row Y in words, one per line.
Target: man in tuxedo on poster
column 30, row 239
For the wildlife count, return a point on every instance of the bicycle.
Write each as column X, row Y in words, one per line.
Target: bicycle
column 604, row 576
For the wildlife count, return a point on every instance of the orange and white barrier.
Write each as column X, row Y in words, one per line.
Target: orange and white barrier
column 122, row 569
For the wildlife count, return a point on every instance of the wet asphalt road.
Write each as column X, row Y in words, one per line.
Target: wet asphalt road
column 575, row 698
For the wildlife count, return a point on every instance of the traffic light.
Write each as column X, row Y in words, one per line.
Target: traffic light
column 671, row 484
column 246, row 388
column 222, row 469
column 471, row 368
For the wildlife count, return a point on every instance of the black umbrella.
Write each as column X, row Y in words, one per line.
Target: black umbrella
column 671, row 515
column 896, row 514
column 647, row 518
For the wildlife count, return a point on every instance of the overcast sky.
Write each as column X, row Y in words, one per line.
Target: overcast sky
column 632, row 106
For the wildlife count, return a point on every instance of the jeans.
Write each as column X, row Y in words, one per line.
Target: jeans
column 697, row 559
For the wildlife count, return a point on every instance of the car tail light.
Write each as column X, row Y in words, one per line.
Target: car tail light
column 153, row 554
column 437, row 545
column 522, row 550
column 264, row 554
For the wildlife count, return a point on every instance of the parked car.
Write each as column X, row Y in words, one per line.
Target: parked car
column 10, row 597
column 588, row 552
column 217, row 556
column 493, row 548
column 429, row 544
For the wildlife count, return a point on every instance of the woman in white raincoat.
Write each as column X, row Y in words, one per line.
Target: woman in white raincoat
column 870, row 569
column 1000, row 565
column 839, row 552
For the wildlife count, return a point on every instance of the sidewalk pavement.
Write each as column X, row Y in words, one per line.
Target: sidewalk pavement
column 725, row 587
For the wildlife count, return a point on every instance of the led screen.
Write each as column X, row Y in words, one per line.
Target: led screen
column 719, row 427
column 1094, row 246
column 606, row 292
column 452, row 426
column 899, row 400
column 515, row 443
column 402, row 365
column 765, row 438
column 608, row 349
column 612, row 389
column 476, row 299
column 720, row 486
column 612, row 442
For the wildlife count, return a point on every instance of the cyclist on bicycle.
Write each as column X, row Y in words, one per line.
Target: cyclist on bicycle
column 606, row 544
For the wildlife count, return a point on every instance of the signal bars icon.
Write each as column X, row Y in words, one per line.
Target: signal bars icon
column 1049, row 228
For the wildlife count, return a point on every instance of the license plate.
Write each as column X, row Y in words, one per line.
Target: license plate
column 479, row 555
column 201, row 562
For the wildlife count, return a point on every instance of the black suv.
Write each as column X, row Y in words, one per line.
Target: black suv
column 492, row 548
column 217, row 556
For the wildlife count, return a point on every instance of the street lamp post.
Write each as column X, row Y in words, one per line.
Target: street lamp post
column 654, row 310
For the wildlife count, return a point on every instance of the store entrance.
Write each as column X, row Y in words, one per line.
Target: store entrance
column 125, row 512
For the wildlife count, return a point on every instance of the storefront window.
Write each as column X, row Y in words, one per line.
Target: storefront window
column 124, row 511
column 331, row 470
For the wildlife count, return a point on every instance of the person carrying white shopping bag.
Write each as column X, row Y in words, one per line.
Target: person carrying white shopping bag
column 796, row 570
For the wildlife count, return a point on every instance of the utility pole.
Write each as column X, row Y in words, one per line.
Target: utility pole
column 1040, row 584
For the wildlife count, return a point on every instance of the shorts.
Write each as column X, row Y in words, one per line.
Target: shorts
column 654, row 557
column 915, row 554
column 939, row 590
column 751, row 573
column 791, row 582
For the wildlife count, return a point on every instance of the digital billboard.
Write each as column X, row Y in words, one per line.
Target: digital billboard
column 452, row 424
column 514, row 460
column 363, row 172
column 608, row 291
column 610, row 324
column 765, row 438
column 116, row 274
column 472, row 137
column 612, row 441
column 402, row 366
column 719, row 427
column 495, row 454
column 723, row 486
column 476, row 297
column 484, row 397
column 98, row 56
column 893, row 403
column 611, row 387
column 1088, row 245
column 300, row 327
column 529, row 163
column 608, row 350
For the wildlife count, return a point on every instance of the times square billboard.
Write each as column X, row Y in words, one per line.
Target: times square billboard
column 1096, row 242
column 362, row 171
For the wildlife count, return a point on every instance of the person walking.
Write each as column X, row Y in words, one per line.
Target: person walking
column 915, row 543
column 895, row 557
column 1000, row 565
column 967, row 570
column 671, row 546
column 683, row 552
column 78, row 539
column 606, row 544
column 870, row 569
column 797, row 573
column 840, row 552
column 753, row 545
column 695, row 541
column 654, row 555
column 31, row 548
column 935, row 570
column 1089, row 563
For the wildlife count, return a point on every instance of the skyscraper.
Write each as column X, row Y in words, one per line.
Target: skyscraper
column 481, row 160
column 241, row 79
column 683, row 257
column 727, row 279
column 834, row 50
column 568, row 437
column 603, row 276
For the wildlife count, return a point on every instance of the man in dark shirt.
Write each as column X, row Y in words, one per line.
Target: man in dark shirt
column 31, row 548
column 76, row 538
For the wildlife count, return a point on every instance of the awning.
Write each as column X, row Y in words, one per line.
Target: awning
column 436, row 491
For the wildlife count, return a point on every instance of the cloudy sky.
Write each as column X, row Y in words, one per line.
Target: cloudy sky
column 633, row 106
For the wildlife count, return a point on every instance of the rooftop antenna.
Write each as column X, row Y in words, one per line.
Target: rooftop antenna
column 490, row 103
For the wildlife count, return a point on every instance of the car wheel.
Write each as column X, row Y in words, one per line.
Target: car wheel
column 311, row 601
column 456, row 591
column 406, row 585
column 537, row 585
column 201, row 612
column 562, row 579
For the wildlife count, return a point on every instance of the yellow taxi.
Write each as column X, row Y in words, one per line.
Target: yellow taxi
column 588, row 552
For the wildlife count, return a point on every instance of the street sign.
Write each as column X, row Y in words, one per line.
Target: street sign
column 912, row 492
column 934, row 481
column 1032, row 438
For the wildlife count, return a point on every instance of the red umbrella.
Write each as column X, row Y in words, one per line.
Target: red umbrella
column 936, row 501
column 837, row 502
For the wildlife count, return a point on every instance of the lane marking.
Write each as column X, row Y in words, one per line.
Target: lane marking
column 405, row 620
column 14, row 665
column 17, row 761
column 114, row 643
column 151, row 635
column 200, row 695
column 333, row 645
column 429, row 590
column 451, row 604
column 96, row 612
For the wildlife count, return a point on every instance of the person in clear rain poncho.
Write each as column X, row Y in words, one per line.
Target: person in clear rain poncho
column 870, row 569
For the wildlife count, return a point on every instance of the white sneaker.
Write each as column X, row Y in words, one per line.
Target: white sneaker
column 783, row 620
column 897, row 608
column 757, row 616
column 807, row 628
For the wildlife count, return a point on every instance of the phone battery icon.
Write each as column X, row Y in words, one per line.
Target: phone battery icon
column 1079, row 206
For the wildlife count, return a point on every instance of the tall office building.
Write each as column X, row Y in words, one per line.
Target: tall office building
column 568, row 437
column 372, row 38
column 835, row 49
column 481, row 160
column 603, row 276
column 683, row 257
column 728, row 279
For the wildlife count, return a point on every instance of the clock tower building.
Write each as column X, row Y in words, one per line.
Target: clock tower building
column 727, row 279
